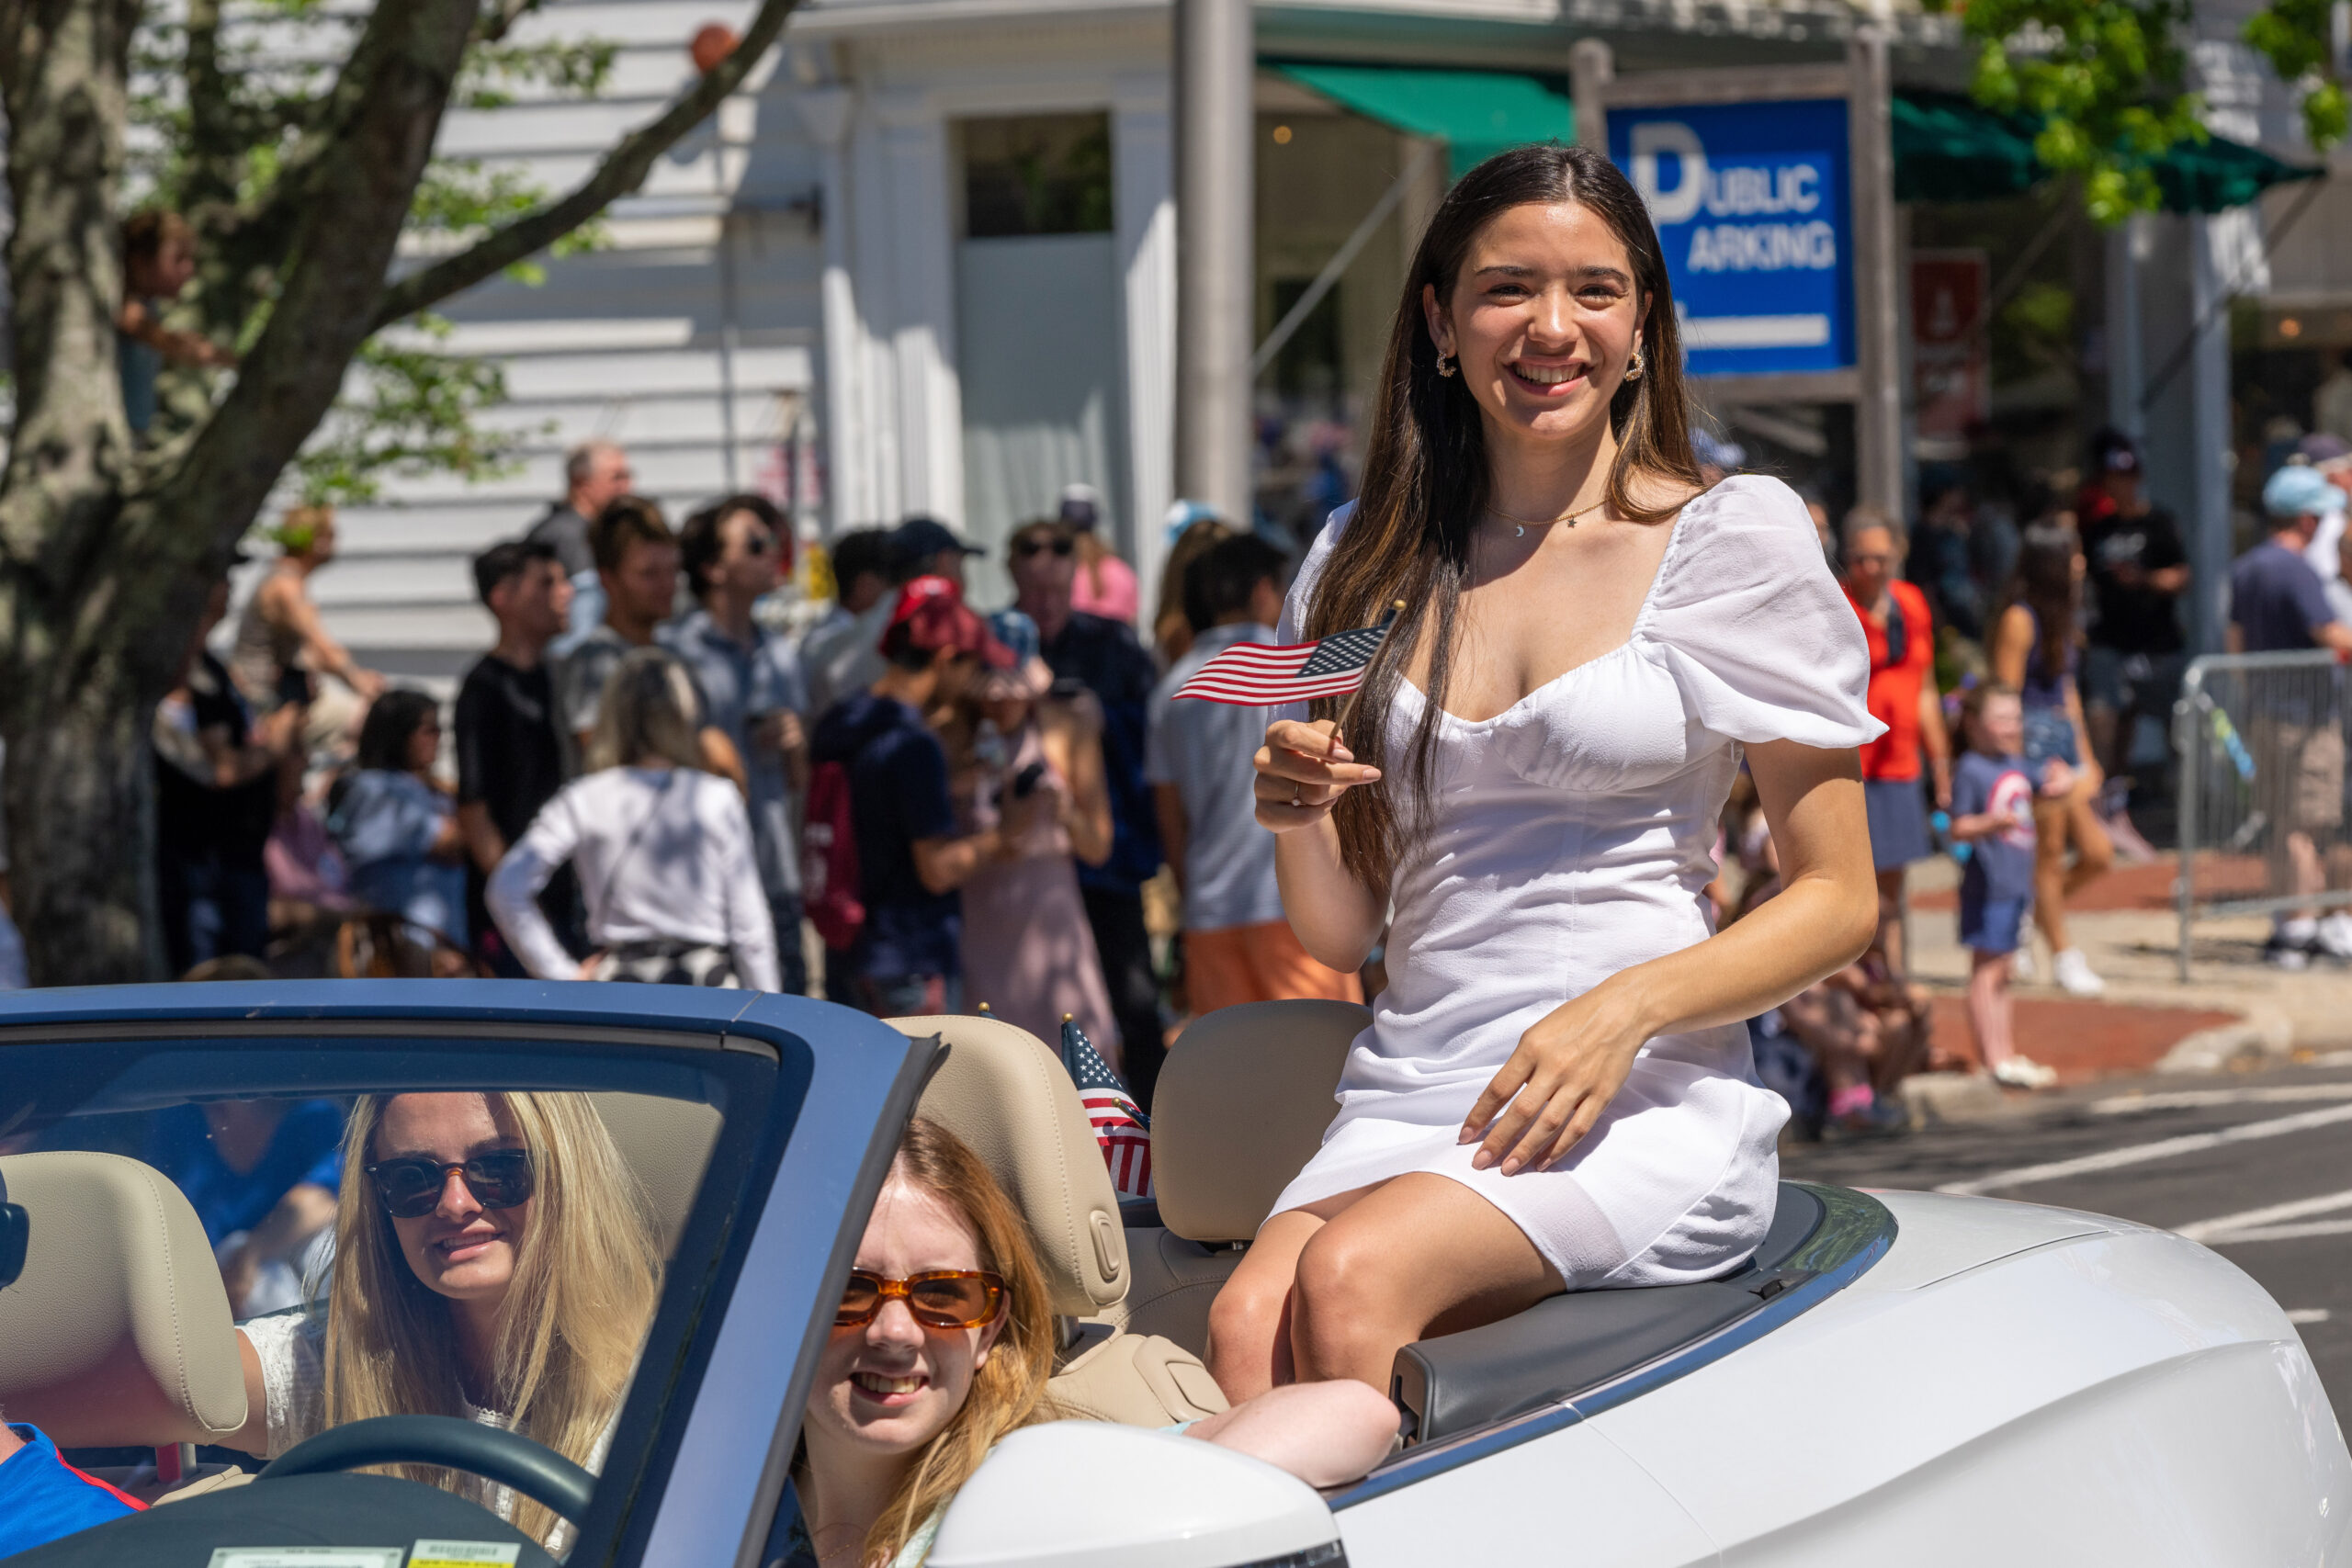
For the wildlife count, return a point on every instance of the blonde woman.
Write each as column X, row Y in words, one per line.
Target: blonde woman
column 282, row 646
column 942, row 1346
column 493, row 1260
column 663, row 851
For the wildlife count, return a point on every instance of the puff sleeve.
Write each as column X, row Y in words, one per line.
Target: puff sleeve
column 1758, row 635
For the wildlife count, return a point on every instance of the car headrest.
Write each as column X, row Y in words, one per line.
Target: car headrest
column 666, row 1143
column 120, row 1318
column 1005, row 1094
column 1242, row 1103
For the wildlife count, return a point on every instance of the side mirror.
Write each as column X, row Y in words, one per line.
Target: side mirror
column 1088, row 1492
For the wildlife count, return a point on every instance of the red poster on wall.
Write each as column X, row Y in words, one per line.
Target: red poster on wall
column 1951, row 370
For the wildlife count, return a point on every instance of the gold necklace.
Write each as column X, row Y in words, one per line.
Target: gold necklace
column 1521, row 525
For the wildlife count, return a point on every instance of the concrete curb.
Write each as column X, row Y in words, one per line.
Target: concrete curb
column 2265, row 1036
column 1938, row 1100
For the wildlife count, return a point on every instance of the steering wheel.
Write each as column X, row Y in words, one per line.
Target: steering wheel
column 492, row 1453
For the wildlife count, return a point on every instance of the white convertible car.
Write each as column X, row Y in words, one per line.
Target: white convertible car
column 1896, row 1378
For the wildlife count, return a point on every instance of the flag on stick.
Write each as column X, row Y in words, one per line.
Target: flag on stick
column 1120, row 1125
column 1256, row 675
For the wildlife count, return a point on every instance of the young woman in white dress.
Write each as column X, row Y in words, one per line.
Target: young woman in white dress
column 1556, row 1092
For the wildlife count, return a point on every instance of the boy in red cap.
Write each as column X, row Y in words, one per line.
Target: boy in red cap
column 910, row 859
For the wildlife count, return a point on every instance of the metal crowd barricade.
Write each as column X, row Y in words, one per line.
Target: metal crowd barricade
column 2261, row 740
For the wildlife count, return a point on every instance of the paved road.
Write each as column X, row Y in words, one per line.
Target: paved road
column 2269, row 1155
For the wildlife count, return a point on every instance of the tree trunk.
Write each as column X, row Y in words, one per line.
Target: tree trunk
column 106, row 555
column 84, row 898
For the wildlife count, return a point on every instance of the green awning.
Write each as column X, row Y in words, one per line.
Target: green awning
column 1950, row 148
column 1478, row 113
column 1947, row 146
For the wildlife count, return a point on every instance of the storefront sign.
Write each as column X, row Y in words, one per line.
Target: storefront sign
column 1951, row 375
column 1753, row 208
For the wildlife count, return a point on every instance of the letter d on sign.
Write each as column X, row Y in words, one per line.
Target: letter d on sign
column 1681, row 204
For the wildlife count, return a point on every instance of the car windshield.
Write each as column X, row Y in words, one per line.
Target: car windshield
column 243, row 1236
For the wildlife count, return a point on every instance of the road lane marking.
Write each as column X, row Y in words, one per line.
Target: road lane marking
column 2307, row 1315
column 2197, row 1098
column 2283, row 1232
column 2142, row 1154
column 2302, row 1209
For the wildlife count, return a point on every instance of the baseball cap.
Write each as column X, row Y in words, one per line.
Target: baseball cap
column 2298, row 489
column 918, row 540
column 2113, row 452
column 2322, row 448
column 1082, row 506
column 935, row 616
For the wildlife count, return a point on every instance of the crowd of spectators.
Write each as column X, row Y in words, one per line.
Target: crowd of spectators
column 908, row 807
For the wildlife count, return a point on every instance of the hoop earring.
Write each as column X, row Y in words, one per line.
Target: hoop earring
column 1634, row 367
column 1445, row 364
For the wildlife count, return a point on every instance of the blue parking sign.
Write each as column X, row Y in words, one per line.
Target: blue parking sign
column 1754, row 207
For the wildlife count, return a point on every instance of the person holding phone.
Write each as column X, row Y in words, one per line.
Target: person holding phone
column 1028, row 759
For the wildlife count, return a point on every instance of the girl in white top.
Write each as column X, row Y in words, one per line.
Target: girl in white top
column 493, row 1260
column 1556, row 1090
column 663, row 851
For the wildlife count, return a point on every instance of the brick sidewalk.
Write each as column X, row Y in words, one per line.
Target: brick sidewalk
column 2085, row 1039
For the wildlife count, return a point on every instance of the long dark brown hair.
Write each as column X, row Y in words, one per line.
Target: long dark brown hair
column 2043, row 582
column 1425, row 476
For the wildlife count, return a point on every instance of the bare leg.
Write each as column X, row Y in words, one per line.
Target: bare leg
column 1421, row 1254
column 2094, row 850
column 2050, row 870
column 1889, row 920
column 1249, row 1349
column 1989, row 1007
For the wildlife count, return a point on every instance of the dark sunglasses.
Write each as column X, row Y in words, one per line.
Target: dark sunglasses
column 411, row 1187
column 1028, row 548
column 944, row 1299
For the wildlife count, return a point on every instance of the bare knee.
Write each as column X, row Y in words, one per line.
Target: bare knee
column 1341, row 1314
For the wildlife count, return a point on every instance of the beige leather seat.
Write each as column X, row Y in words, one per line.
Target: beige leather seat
column 119, row 1329
column 1005, row 1094
column 1241, row 1106
column 667, row 1143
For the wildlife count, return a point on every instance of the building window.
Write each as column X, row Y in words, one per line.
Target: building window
column 1036, row 175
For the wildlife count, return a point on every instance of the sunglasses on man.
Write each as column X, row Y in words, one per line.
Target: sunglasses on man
column 1028, row 548
column 409, row 1188
column 943, row 1300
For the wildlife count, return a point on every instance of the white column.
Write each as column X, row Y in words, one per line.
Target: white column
column 1215, row 80
column 2126, row 362
column 2209, row 392
column 825, row 112
column 872, row 394
column 1144, row 203
column 922, row 325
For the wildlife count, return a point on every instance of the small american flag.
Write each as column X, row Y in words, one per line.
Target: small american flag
column 1257, row 674
column 1120, row 1125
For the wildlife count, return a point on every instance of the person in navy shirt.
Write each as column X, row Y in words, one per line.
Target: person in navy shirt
column 1992, row 812
column 43, row 1499
column 2278, row 605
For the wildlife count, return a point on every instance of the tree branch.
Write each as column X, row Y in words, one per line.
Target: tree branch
column 341, row 244
column 623, row 170
column 502, row 17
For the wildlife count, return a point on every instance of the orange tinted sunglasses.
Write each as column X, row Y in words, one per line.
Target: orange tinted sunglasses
column 944, row 1299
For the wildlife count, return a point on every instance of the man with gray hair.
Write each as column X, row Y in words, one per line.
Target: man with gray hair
column 595, row 473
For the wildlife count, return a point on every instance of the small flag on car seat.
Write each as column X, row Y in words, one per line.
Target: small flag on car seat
column 1120, row 1125
column 1257, row 674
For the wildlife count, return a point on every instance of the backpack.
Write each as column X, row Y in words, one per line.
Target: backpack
column 829, row 877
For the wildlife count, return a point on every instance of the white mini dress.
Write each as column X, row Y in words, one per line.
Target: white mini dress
column 1571, row 838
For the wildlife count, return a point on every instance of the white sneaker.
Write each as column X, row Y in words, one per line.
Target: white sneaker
column 2021, row 965
column 2336, row 935
column 2023, row 1072
column 2073, row 971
